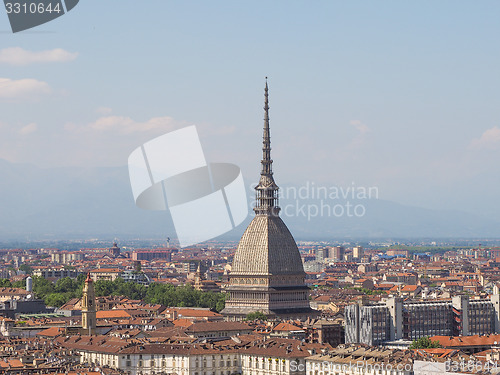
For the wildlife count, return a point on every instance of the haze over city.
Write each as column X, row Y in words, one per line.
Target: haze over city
column 398, row 96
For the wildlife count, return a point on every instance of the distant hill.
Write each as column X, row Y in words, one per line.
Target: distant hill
column 66, row 203
column 73, row 203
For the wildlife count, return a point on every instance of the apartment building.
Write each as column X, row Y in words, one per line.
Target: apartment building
column 393, row 319
column 55, row 273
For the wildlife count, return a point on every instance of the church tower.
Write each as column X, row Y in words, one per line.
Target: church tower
column 267, row 273
column 88, row 306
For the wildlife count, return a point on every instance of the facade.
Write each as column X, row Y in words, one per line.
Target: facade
column 393, row 319
column 67, row 257
column 357, row 252
column 152, row 254
column 192, row 266
column 110, row 274
column 326, row 332
column 55, row 273
column 337, row 253
column 267, row 273
column 266, row 357
column 322, row 254
column 137, row 277
column 269, row 357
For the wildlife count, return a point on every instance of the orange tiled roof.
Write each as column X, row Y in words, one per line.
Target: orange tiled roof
column 51, row 332
column 286, row 327
column 11, row 363
column 112, row 314
column 182, row 322
column 111, row 270
column 451, row 341
column 197, row 313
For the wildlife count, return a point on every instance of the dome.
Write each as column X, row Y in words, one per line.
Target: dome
column 267, row 248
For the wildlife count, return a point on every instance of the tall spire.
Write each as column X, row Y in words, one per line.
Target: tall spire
column 266, row 190
column 266, row 138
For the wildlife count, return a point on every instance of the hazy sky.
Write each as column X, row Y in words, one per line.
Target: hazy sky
column 399, row 95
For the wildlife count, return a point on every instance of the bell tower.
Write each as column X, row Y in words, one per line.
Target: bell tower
column 88, row 306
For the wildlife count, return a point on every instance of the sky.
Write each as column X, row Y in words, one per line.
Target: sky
column 402, row 96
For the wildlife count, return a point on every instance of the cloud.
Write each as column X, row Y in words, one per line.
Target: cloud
column 490, row 139
column 28, row 129
column 126, row 125
column 22, row 88
column 103, row 141
column 10, row 132
column 362, row 128
column 108, row 140
column 20, row 56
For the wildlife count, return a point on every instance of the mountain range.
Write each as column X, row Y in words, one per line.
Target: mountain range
column 67, row 203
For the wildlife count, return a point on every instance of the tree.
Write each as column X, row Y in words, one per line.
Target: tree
column 256, row 315
column 19, row 284
column 26, row 268
column 66, row 284
column 5, row 283
column 57, row 294
column 221, row 303
column 56, row 299
column 104, row 288
column 183, row 296
column 80, row 279
column 424, row 343
column 42, row 287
